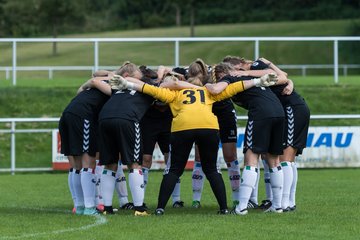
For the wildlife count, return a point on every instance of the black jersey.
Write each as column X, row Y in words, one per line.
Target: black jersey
column 286, row 100
column 260, row 102
column 126, row 104
column 159, row 110
column 87, row 104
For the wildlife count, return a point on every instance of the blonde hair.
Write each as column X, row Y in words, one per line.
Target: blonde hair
column 130, row 68
column 199, row 69
column 234, row 60
column 221, row 69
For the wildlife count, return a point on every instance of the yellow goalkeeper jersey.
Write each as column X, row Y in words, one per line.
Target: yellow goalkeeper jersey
column 192, row 108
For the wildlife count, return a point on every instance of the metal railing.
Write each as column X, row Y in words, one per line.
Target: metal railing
column 51, row 69
column 13, row 131
column 177, row 42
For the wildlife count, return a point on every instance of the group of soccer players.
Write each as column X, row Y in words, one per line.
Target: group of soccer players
column 123, row 114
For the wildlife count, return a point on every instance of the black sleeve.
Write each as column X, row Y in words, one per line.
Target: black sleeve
column 258, row 65
column 180, row 70
column 228, row 79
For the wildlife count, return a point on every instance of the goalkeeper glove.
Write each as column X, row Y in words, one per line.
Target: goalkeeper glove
column 117, row 82
column 266, row 80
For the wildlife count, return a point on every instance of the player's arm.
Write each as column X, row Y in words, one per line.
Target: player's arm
column 282, row 76
column 253, row 73
column 239, row 86
column 176, row 84
column 163, row 94
column 289, row 88
column 162, row 71
column 96, row 82
column 103, row 73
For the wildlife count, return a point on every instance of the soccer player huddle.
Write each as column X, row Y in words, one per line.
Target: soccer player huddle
column 118, row 117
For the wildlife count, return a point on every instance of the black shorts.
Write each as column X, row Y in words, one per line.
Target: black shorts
column 296, row 126
column 207, row 141
column 155, row 131
column 226, row 115
column 120, row 136
column 78, row 135
column 265, row 136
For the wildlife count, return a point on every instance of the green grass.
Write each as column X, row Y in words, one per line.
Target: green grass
column 81, row 54
column 37, row 206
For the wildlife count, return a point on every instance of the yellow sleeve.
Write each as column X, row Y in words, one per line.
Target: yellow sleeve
column 163, row 94
column 231, row 90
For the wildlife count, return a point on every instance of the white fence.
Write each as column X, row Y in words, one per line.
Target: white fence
column 177, row 41
column 303, row 68
column 13, row 131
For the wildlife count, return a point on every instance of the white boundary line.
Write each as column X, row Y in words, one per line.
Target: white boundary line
column 100, row 220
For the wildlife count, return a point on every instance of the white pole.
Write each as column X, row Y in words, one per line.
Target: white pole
column 14, row 63
column 96, row 55
column 177, row 56
column 13, row 147
column 336, row 62
column 257, row 49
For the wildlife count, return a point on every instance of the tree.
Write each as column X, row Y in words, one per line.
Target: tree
column 57, row 15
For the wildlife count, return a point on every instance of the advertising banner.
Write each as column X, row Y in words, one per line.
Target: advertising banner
column 327, row 147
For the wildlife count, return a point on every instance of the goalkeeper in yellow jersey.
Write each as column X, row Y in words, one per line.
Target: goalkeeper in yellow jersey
column 193, row 122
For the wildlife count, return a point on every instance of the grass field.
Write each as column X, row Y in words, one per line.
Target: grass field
column 110, row 54
column 37, row 206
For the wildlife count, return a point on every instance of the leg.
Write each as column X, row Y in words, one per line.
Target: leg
column 88, row 183
column 208, row 143
column 230, row 157
column 181, row 144
column 107, row 186
column 248, row 180
column 286, row 159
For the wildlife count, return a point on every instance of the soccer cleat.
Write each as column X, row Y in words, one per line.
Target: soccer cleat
column 142, row 214
column 159, row 212
column 273, row 210
column 293, row 208
column 79, row 210
column 127, row 206
column 235, row 203
column 287, row 209
column 237, row 212
column 223, row 212
column 196, row 204
column 178, row 204
column 90, row 211
column 252, row 205
column 265, row 204
column 145, row 206
column 108, row 210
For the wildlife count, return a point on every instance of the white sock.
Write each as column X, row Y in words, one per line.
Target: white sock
column 98, row 171
column 71, row 184
column 293, row 185
column 176, row 193
column 288, row 180
column 107, row 185
column 88, row 186
column 276, row 180
column 121, row 187
column 145, row 171
column 234, row 177
column 255, row 192
column 247, row 184
column 78, row 189
column 198, row 178
column 268, row 190
column 136, row 183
